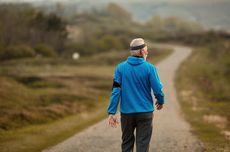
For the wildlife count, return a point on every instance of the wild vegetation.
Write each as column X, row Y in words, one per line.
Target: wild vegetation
column 26, row 32
column 39, row 34
column 203, row 84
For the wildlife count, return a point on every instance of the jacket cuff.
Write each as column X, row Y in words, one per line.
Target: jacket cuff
column 160, row 98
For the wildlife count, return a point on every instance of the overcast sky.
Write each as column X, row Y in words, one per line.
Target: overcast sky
column 90, row 0
column 197, row 1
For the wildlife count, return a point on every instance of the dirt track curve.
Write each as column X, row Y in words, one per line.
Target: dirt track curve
column 171, row 133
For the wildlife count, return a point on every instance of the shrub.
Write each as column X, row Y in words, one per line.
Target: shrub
column 45, row 50
column 17, row 51
column 107, row 43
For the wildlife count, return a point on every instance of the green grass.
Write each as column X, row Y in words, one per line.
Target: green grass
column 203, row 90
column 43, row 104
column 36, row 137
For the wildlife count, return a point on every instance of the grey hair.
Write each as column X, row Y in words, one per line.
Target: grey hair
column 135, row 52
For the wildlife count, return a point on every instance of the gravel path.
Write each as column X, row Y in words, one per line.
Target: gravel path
column 171, row 133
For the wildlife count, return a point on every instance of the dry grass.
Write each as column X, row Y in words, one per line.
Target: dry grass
column 42, row 104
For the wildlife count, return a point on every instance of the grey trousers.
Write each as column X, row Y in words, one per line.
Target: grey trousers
column 142, row 123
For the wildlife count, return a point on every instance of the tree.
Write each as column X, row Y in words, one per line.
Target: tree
column 118, row 12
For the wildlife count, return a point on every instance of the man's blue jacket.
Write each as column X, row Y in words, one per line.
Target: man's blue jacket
column 133, row 81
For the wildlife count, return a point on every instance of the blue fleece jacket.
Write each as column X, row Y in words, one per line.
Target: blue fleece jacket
column 133, row 81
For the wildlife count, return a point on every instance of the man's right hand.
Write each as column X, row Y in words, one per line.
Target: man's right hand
column 113, row 121
column 159, row 106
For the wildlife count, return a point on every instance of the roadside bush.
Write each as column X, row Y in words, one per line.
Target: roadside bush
column 17, row 51
column 108, row 43
column 44, row 50
column 88, row 49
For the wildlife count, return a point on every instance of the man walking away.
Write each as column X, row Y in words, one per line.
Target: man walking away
column 133, row 81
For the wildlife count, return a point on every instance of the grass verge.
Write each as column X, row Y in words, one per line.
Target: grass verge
column 203, row 92
column 35, row 138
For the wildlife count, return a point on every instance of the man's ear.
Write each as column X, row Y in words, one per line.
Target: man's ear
column 142, row 51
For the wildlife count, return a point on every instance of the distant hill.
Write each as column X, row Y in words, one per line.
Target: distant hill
column 211, row 13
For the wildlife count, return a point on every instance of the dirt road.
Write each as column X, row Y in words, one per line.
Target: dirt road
column 171, row 133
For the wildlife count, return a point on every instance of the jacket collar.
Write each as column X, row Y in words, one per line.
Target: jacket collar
column 135, row 60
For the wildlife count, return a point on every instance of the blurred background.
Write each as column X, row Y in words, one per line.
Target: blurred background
column 57, row 59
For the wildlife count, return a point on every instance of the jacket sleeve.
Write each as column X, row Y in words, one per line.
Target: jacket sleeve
column 116, row 92
column 156, row 85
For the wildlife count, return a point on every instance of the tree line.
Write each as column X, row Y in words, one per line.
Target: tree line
column 26, row 31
